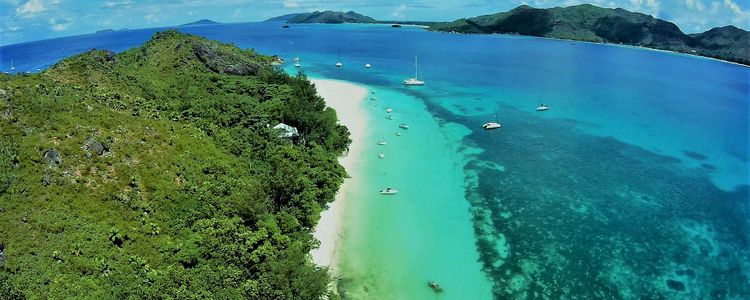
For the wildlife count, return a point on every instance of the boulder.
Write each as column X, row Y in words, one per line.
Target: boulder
column 52, row 157
column 222, row 61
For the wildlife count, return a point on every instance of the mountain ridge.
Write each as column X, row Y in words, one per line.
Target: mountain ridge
column 591, row 23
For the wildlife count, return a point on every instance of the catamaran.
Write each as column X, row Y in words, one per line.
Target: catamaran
column 415, row 80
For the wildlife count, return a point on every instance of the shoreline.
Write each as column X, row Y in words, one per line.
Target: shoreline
column 346, row 98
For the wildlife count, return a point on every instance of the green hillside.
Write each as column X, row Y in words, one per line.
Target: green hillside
column 605, row 25
column 156, row 174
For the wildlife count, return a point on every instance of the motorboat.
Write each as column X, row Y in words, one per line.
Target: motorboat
column 403, row 126
column 388, row 191
column 367, row 66
column 389, row 117
column 382, row 143
column 389, row 110
column 435, row 286
column 339, row 65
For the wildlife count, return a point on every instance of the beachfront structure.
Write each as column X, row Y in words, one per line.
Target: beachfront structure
column 286, row 131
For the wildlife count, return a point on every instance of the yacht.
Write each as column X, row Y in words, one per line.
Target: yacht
column 389, row 117
column 542, row 107
column 368, row 66
column 296, row 62
column 12, row 67
column 339, row 65
column 415, row 80
column 389, row 110
column 388, row 191
column 403, row 126
column 382, row 143
column 398, row 133
column 491, row 125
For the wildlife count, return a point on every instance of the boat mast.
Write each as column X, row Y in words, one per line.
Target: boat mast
column 416, row 68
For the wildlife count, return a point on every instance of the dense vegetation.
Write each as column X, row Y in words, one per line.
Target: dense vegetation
column 155, row 173
column 326, row 17
column 604, row 25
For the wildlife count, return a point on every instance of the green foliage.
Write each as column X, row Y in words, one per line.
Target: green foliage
column 194, row 195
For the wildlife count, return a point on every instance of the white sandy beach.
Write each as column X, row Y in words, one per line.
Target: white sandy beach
column 346, row 98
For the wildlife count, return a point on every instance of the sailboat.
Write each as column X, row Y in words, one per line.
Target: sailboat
column 415, row 80
column 296, row 62
column 11, row 65
column 542, row 107
column 492, row 125
column 338, row 63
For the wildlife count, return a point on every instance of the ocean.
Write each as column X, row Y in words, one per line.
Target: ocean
column 634, row 184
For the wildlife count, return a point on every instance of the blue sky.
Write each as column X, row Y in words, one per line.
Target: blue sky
column 27, row 20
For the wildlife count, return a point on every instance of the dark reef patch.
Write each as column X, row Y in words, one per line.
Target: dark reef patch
column 694, row 155
column 589, row 217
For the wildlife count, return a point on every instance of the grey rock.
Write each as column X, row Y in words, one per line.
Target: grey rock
column 223, row 62
column 52, row 157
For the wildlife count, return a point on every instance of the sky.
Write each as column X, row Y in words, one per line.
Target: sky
column 29, row 20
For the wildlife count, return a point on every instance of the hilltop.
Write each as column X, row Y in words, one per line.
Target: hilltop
column 156, row 173
column 325, row 17
column 605, row 25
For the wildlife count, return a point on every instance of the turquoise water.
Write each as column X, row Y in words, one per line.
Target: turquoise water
column 633, row 185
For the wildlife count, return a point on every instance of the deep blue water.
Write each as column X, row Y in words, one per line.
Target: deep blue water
column 634, row 184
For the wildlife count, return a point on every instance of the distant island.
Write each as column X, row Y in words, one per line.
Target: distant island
column 338, row 17
column 606, row 25
column 201, row 22
column 325, row 17
column 111, row 30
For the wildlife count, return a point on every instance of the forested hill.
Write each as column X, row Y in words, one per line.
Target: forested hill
column 156, row 174
column 605, row 25
column 326, row 17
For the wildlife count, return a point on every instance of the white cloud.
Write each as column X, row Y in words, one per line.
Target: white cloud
column 152, row 18
column 30, row 8
column 695, row 5
column 60, row 24
column 398, row 13
column 291, row 4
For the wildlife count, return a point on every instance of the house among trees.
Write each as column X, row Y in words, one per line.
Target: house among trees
column 286, row 131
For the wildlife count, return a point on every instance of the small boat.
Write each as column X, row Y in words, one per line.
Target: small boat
column 297, row 65
column 381, row 155
column 398, row 133
column 403, row 126
column 368, row 66
column 491, row 125
column 372, row 92
column 389, row 117
column 373, row 98
column 382, row 143
column 389, row 110
column 435, row 286
column 388, row 191
column 285, row 26
column 339, row 65
column 12, row 67
column 415, row 80
column 396, row 26
column 296, row 62
column 542, row 107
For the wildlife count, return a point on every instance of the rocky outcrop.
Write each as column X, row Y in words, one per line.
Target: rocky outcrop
column 223, row 61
